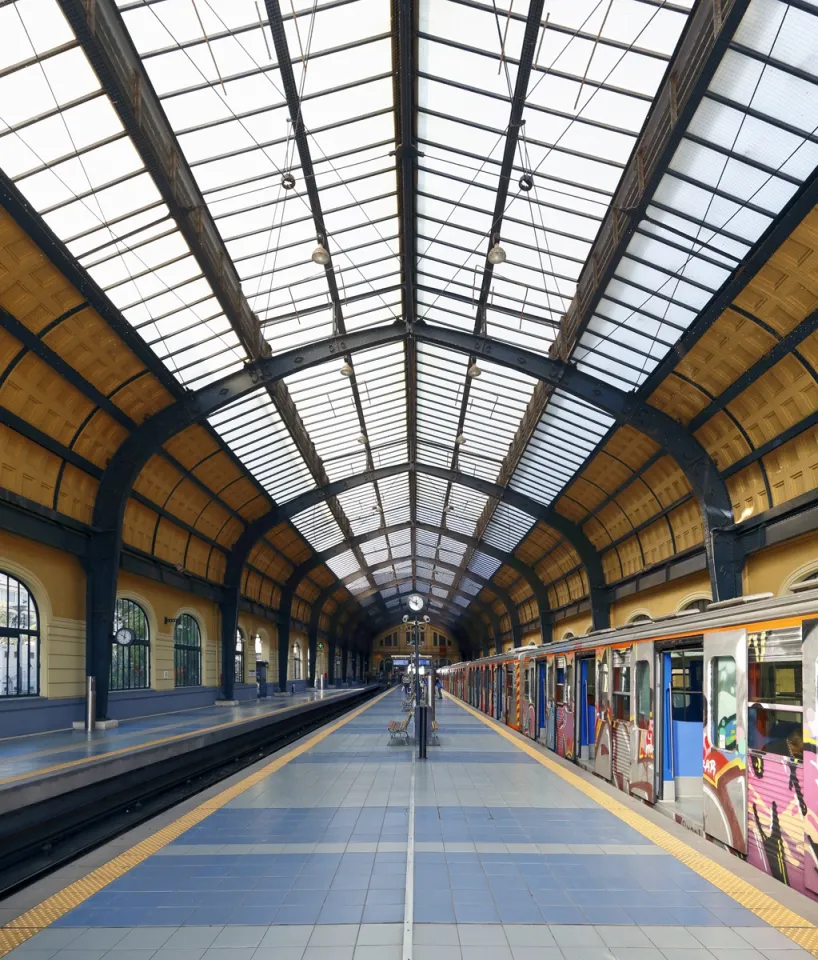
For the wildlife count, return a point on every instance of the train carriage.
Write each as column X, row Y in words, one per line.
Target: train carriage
column 712, row 716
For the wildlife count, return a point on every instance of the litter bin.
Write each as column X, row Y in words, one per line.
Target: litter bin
column 423, row 728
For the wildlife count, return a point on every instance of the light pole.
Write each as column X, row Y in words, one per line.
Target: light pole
column 416, row 604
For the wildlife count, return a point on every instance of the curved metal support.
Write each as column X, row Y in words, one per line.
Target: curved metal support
column 696, row 463
column 126, row 464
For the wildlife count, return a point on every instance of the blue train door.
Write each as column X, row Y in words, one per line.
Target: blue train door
column 540, row 699
column 587, row 709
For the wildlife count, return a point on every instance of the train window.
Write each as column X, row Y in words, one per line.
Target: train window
column 621, row 685
column 643, row 693
column 724, row 705
column 569, row 683
column 686, row 671
column 560, row 677
column 603, row 677
column 775, row 717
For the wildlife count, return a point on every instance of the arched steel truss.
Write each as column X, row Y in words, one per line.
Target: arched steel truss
column 126, row 464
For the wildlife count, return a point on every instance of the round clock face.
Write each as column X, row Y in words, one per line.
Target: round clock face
column 125, row 636
column 415, row 603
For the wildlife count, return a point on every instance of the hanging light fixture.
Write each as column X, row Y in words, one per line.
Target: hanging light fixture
column 321, row 255
column 460, row 439
column 496, row 256
column 474, row 371
column 346, row 370
column 362, row 438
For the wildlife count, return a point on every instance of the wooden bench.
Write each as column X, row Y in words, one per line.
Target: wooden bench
column 408, row 704
column 435, row 730
column 399, row 729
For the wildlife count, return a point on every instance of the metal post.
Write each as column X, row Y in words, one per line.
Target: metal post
column 90, row 703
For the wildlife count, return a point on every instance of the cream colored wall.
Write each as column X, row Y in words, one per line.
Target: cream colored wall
column 577, row 625
column 268, row 632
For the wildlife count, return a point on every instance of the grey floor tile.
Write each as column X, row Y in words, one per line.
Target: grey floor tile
column 179, row 953
column 675, row 938
column 586, row 953
column 696, row 953
column 380, row 934
column 381, row 952
column 240, row 937
column 144, row 938
column 623, row 936
column 332, row 934
column 528, row 935
column 329, row 953
column 493, row 952
column 746, row 953
column 279, row 953
column 537, row 953
column 637, row 953
column 574, row 935
column 100, row 938
column 765, row 938
column 437, row 952
column 229, row 953
column 48, row 954
column 287, row 936
column 796, row 954
column 723, row 937
column 190, row 937
column 481, row 935
column 132, row 954
column 436, row 934
column 56, row 937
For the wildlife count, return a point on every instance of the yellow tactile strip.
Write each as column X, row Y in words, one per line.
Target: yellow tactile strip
column 38, row 918
column 137, row 747
column 786, row 921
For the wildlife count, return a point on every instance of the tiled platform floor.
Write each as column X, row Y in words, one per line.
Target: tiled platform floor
column 32, row 755
column 510, row 862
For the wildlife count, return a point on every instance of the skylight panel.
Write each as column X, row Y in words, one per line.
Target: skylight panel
column 254, row 431
column 507, row 527
column 344, row 564
column 318, row 526
column 568, row 431
column 483, row 565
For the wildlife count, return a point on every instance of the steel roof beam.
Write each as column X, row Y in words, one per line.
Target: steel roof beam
column 299, row 133
column 126, row 464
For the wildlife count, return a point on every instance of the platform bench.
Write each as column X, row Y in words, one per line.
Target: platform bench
column 435, row 731
column 399, row 729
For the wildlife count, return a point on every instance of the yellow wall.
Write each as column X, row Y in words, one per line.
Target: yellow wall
column 775, row 569
column 57, row 583
column 578, row 625
column 379, row 652
column 664, row 599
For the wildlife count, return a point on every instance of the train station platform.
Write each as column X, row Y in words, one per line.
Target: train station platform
column 39, row 766
column 343, row 847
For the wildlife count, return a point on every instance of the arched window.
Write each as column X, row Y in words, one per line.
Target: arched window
column 639, row 618
column 700, row 605
column 19, row 640
column 295, row 662
column 239, row 668
column 187, row 652
column 130, row 664
column 568, row 635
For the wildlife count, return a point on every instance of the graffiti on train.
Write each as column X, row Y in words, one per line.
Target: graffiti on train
column 777, row 811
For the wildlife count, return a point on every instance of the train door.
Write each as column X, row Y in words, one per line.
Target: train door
column 551, row 706
column 642, row 734
column 510, row 704
column 498, row 692
column 622, row 717
column 776, row 804
column 809, row 656
column 725, row 738
column 528, row 720
column 680, row 699
column 565, row 706
column 604, row 722
column 586, row 708
column 541, row 700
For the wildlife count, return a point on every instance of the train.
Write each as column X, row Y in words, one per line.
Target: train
column 709, row 715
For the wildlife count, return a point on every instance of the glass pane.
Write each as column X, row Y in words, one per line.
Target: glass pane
column 724, row 705
column 776, row 731
column 643, row 693
column 775, row 682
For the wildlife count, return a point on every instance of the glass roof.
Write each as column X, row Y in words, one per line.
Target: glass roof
column 284, row 158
